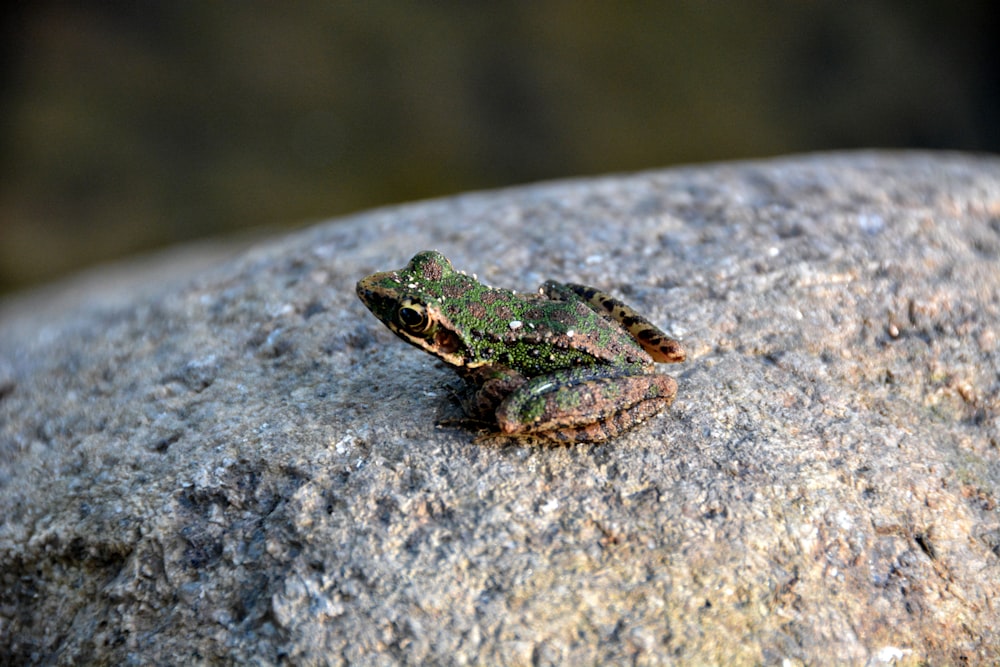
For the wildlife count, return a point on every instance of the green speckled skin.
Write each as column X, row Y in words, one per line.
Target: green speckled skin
column 570, row 363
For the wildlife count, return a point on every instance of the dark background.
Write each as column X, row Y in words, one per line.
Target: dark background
column 126, row 126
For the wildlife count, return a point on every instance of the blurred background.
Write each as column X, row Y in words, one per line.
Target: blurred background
column 130, row 126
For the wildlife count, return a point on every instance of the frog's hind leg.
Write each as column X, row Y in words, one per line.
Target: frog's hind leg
column 612, row 427
column 579, row 405
column 658, row 345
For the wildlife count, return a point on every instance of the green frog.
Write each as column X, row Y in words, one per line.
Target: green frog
column 569, row 363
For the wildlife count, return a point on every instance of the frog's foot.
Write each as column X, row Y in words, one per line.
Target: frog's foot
column 579, row 405
column 487, row 433
column 467, row 423
column 499, row 439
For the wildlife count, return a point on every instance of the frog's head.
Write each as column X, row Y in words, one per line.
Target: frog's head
column 408, row 302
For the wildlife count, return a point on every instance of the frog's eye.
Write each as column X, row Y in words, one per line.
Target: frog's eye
column 413, row 317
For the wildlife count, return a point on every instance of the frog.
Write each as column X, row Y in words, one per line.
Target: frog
column 570, row 363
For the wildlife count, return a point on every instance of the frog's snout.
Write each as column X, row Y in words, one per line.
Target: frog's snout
column 368, row 296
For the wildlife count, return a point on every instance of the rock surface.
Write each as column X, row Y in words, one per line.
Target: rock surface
column 246, row 467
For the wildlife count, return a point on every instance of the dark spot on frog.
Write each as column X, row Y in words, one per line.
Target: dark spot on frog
column 432, row 271
column 454, row 290
column 477, row 310
column 565, row 317
column 493, row 296
column 503, row 313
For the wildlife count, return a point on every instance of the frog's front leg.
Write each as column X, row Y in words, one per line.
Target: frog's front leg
column 584, row 404
column 486, row 389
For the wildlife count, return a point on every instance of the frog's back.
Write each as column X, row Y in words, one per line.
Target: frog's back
column 535, row 335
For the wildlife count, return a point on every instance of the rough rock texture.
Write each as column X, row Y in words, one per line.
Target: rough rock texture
column 247, row 467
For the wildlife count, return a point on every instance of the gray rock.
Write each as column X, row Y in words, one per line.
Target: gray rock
column 245, row 467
